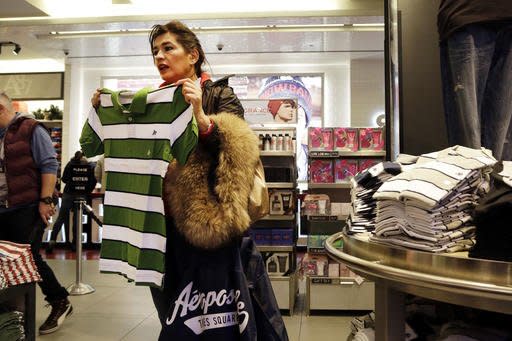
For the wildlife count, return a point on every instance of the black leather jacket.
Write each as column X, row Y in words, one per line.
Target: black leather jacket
column 219, row 97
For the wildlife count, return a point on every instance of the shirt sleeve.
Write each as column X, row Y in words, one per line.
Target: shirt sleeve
column 43, row 151
column 91, row 139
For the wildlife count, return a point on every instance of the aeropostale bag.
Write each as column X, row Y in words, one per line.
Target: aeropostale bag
column 211, row 298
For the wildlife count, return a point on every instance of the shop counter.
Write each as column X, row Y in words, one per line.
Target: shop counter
column 450, row 278
column 338, row 293
column 286, row 290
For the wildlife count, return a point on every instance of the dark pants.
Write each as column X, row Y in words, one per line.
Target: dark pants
column 66, row 206
column 25, row 226
column 476, row 70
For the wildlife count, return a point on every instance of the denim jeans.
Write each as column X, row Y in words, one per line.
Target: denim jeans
column 25, row 226
column 476, row 70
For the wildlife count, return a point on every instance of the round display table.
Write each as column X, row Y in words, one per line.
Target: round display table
column 451, row 278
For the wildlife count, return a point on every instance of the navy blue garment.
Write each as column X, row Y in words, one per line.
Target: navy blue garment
column 208, row 294
column 269, row 322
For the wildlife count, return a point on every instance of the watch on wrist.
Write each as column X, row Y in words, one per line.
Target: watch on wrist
column 47, row 200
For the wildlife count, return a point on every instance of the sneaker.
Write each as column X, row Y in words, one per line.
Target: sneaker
column 60, row 310
column 50, row 246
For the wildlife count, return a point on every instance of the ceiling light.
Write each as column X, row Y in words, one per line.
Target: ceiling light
column 375, row 27
column 17, row 47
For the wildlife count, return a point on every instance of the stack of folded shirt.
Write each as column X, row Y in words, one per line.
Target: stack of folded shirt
column 17, row 263
column 364, row 185
column 11, row 326
column 429, row 205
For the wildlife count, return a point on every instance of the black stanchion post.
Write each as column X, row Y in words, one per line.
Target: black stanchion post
column 79, row 288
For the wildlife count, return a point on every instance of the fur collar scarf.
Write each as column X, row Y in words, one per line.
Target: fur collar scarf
column 211, row 219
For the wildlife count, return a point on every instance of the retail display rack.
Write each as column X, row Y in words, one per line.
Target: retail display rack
column 327, row 278
column 335, row 155
column 276, row 234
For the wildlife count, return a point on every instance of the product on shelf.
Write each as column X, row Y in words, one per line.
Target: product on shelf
column 314, row 204
column 281, row 202
column 340, row 209
column 320, row 138
column 315, row 265
column 261, row 236
column 371, row 139
column 334, row 269
column 345, row 271
column 282, row 237
column 278, row 263
column 344, row 169
column 364, row 164
column 345, row 139
column 321, row 171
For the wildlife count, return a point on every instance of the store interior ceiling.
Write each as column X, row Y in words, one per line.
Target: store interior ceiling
column 321, row 36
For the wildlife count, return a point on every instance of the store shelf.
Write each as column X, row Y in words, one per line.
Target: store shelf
column 343, row 153
column 280, row 185
column 338, row 293
column 273, row 127
column 289, row 153
column 285, row 289
column 275, row 248
column 329, row 185
column 278, row 217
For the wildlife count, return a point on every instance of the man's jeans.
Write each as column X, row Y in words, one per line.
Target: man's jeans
column 476, row 69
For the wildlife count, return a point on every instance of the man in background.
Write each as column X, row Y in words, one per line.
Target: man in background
column 476, row 70
column 28, row 172
column 79, row 178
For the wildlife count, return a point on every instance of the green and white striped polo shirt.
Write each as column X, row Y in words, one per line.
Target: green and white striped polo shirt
column 139, row 134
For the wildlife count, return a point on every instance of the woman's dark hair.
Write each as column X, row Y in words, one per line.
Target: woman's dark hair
column 184, row 36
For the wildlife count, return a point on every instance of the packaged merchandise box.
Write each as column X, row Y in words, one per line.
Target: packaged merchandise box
column 345, row 139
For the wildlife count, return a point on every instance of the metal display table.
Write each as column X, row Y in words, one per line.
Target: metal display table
column 450, row 278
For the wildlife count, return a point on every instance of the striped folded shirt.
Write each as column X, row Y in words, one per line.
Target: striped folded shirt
column 17, row 264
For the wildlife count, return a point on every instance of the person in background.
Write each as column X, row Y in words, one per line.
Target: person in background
column 476, row 70
column 28, row 172
column 78, row 184
column 283, row 110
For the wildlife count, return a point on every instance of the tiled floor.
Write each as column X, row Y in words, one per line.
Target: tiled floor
column 118, row 310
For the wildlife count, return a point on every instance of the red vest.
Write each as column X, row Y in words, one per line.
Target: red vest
column 22, row 176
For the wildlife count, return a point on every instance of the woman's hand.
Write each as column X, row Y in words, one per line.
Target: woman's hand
column 95, row 99
column 194, row 95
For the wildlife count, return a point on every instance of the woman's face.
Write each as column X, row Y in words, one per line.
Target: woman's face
column 171, row 59
column 286, row 112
